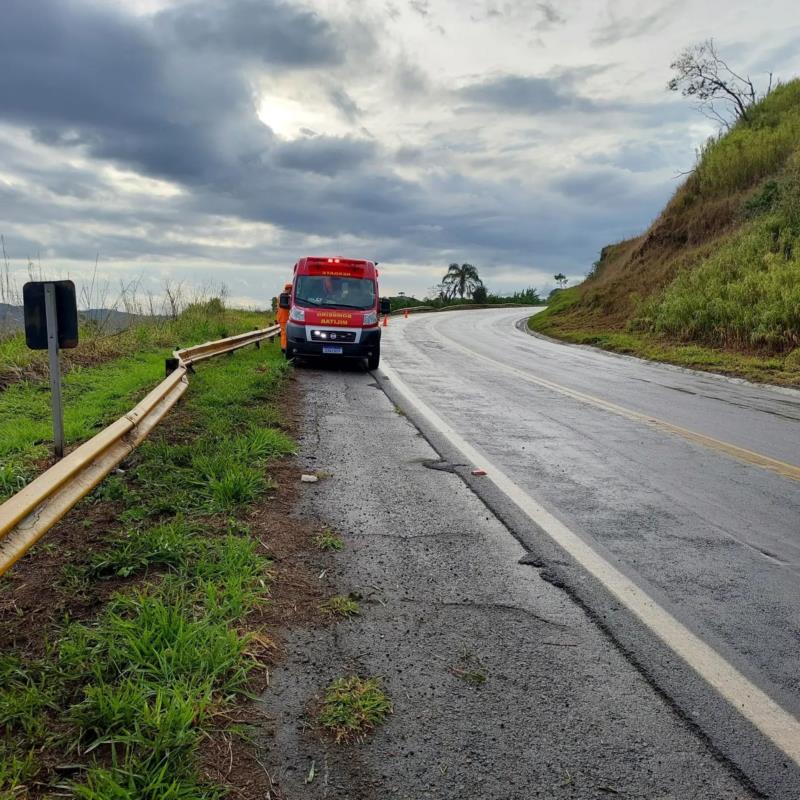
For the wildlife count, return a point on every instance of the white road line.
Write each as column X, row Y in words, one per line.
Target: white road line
column 782, row 468
column 777, row 724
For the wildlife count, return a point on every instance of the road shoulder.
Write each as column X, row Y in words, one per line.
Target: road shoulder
column 557, row 710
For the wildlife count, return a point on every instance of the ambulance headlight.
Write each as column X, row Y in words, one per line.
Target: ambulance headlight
column 371, row 318
column 297, row 314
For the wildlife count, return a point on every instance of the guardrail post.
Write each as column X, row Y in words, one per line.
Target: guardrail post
column 258, row 344
column 170, row 365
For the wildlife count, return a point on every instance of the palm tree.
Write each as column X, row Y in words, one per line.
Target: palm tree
column 461, row 280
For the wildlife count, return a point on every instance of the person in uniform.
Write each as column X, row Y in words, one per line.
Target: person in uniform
column 282, row 317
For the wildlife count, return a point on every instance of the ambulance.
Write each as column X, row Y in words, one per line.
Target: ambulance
column 334, row 310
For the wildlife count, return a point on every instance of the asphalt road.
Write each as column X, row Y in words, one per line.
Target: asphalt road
column 559, row 712
column 684, row 483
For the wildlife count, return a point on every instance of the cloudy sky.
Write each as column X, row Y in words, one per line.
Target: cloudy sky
column 219, row 140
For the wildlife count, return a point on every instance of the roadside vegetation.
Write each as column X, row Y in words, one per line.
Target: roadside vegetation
column 122, row 704
column 326, row 539
column 133, row 680
column 462, row 285
column 340, row 606
column 105, row 336
column 353, row 706
column 715, row 282
column 104, row 377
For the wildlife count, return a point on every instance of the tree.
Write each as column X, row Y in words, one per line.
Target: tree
column 461, row 280
column 479, row 294
column 560, row 279
column 701, row 73
column 527, row 296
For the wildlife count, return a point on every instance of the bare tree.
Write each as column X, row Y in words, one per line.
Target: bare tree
column 174, row 294
column 721, row 94
column 5, row 279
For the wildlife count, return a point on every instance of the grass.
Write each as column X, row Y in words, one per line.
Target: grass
column 745, row 295
column 328, row 540
column 198, row 322
column 472, row 677
column 166, row 547
column 752, row 150
column 353, row 706
column 93, row 397
column 133, row 694
column 470, row 670
column 715, row 282
column 777, row 369
column 96, row 395
column 340, row 606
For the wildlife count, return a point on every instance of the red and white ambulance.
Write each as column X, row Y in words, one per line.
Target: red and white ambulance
column 334, row 310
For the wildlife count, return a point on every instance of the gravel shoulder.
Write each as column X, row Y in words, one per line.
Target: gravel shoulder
column 559, row 712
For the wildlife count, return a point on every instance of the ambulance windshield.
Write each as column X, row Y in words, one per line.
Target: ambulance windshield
column 334, row 292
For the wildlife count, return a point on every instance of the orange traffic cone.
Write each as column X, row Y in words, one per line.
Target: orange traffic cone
column 385, row 320
column 405, row 313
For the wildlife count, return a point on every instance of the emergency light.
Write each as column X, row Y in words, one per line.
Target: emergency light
column 341, row 262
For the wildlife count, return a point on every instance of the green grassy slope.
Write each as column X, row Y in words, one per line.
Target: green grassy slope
column 199, row 322
column 105, row 378
column 715, row 281
column 130, row 694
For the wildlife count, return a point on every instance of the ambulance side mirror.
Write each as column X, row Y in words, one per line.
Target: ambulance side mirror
column 386, row 306
column 284, row 300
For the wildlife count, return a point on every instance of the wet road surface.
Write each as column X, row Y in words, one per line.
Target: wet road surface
column 708, row 532
column 560, row 712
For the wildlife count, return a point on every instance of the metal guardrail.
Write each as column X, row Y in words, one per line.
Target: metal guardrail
column 31, row 512
column 456, row 307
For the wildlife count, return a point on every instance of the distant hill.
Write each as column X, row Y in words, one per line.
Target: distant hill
column 111, row 320
column 10, row 317
column 720, row 266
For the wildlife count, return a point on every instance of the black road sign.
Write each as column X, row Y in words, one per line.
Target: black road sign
column 33, row 297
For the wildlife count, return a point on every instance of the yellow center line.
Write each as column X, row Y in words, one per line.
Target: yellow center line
column 786, row 470
column 776, row 723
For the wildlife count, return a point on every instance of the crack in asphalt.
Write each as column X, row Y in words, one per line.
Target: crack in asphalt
column 505, row 607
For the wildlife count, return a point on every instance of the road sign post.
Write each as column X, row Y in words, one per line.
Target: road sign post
column 55, row 368
column 51, row 323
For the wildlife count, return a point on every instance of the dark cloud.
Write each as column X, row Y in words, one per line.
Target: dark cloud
column 635, row 157
column 521, row 94
column 272, row 32
column 100, row 80
column 170, row 96
column 325, row 155
column 596, row 184
column 777, row 58
column 408, row 154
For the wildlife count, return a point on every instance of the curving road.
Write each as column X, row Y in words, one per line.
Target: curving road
column 666, row 501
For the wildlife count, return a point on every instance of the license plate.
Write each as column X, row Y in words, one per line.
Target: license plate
column 331, row 350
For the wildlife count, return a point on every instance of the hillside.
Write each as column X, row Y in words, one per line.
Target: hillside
column 715, row 281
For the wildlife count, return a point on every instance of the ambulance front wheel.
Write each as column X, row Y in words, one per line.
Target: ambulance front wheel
column 374, row 359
